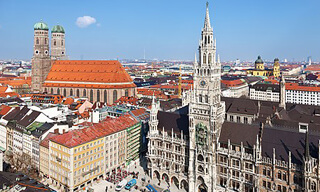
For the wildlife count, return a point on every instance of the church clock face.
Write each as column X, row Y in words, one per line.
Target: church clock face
column 203, row 83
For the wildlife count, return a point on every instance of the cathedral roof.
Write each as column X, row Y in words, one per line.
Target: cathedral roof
column 88, row 74
column 57, row 29
column 41, row 26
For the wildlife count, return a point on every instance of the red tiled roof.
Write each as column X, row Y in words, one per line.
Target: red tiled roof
column 4, row 109
column 93, row 72
column 313, row 68
column 233, row 83
column 3, row 89
column 138, row 112
column 297, row 87
column 151, row 92
column 109, row 126
column 45, row 141
column 175, row 86
column 16, row 83
column 46, row 98
column 10, row 94
column 68, row 101
column 127, row 100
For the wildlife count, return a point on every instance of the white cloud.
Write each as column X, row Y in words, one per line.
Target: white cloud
column 85, row 21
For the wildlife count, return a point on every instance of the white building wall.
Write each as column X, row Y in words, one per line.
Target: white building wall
column 303, row 97
column 3, row 136
column 264, row 95
column 17, row 142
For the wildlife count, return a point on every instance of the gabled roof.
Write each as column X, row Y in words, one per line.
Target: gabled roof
column 140, row 114
column 45, row 141
column 12, row 114
column 89, row 74
column 4, row 109
column 77, row 137
column 28, row 119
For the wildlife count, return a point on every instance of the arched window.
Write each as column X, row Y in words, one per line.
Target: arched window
column 78, row 93
column 105, row 96
column 45, row 41
column 204, row 58
column 313, row 186
column 64, row 92
column 71, row 92
column 284, row 176
column 37, row 41
column 200, row 158
column 54, row 42
column 61, row 42
column 279, row 175
column 51, row 90
column 58, row 91
column 126, row 93
column 205, row 40
column 91, row 95
column 209, row 39
column 115, row 96
column 98, row 95
column 209, row 58
column 84, row 93
column 200, row 98
column 200, row 169
column 207, row 99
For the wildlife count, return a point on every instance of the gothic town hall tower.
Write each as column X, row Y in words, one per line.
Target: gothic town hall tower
column 206, row 113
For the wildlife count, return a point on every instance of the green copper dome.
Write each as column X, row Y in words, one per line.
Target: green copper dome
column 40, row 26
column 57, row 29
column 259, row 60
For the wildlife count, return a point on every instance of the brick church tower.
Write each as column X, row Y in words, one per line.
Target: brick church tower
column 41, row 62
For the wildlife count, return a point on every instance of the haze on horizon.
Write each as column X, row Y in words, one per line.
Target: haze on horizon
column 166, row 29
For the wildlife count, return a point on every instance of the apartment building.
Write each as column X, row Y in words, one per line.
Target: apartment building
column 79, row 157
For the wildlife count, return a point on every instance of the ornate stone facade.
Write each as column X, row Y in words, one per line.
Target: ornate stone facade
column 233, row 144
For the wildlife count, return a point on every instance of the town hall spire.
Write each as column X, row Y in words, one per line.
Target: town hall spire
column 207, row 19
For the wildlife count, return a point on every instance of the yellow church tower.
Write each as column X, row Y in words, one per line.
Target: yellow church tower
column 259, row 65
column 276, row 68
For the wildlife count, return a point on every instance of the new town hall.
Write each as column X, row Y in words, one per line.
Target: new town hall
column 233, row 144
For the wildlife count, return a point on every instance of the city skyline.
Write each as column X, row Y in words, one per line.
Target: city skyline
column 166, row 30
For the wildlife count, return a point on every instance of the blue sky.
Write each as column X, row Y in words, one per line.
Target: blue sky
column 166, row 29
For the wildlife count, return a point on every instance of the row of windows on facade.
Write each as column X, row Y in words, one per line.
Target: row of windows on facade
column 88, row 153
column 86, row 146
column 282, row 176
column 46, row 42
column 96, row 156
column 115, row 93
column 238, row 119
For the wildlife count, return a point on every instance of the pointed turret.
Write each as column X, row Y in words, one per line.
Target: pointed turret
column 207, row 19
column 282, row 93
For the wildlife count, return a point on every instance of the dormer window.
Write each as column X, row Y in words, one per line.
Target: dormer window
column 303, row 127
